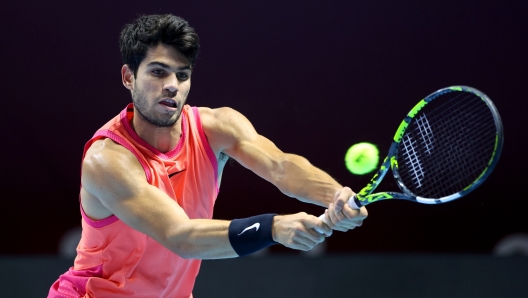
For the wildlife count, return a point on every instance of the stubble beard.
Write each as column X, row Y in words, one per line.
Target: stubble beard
column 141, row 105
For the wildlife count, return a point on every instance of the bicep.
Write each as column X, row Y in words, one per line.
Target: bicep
column 116, row 178
column 261, row 156
column 232, row 133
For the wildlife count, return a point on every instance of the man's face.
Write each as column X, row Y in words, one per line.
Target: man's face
column 161, row 86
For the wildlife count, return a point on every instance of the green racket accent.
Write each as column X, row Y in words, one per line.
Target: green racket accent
column 417, row 108
column 405, row 122
column 476, row 180
column 400, row 131
column 394, row 162
column 456, row 88
column 494, row 150
column 379, row 196
column 376, row 179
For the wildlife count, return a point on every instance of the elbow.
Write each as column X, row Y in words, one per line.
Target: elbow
column 184, row 252
column 183, row 249
column 179, row 243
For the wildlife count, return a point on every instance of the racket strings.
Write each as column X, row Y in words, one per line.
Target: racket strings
column 461, row 160
column 426, row 132
column 412, row 159
column 462, row 155
column 447, row 146
column 461, row 152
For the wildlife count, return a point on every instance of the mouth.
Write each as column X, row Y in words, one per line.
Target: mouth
column 168, row 102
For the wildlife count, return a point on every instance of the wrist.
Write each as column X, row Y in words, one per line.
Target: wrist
column 251, row 234
column 274, row 225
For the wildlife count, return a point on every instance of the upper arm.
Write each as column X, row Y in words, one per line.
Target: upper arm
column 113, row 175
column 230, row 132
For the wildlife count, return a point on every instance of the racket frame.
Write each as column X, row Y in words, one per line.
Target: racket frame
column 365, row 196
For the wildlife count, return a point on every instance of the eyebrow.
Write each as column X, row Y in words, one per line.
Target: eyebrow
column 161, row 64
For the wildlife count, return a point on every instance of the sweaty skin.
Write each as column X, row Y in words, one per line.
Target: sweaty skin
column 113, row 181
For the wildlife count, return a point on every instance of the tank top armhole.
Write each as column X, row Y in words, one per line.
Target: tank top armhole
column 98, row 223
column 101, row 134
column 206, row 145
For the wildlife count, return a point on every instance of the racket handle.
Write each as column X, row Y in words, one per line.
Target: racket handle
column 351, row 203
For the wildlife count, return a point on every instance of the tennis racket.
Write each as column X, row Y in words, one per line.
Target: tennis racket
column 446, row 146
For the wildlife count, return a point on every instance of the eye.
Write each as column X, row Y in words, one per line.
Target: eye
column 182, row 76
column 157, row 72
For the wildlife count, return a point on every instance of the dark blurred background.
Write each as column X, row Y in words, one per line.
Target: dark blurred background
column 315, row 77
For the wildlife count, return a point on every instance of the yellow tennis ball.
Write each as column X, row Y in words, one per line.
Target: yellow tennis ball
column 362, row 158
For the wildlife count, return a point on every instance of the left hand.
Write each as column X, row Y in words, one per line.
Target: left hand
column 339, row 216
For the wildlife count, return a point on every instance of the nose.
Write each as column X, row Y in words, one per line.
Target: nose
column 171, row 84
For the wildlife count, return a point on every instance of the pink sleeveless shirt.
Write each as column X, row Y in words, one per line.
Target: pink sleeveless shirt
column 114, row 260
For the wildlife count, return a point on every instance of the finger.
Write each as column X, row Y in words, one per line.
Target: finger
column 351, row 214
column 304, row 241
column 324, row 218
column 315, row 236
column 317, row 228
column 332, row 215
column 336, row 196
column 340, row 202
column 342, row 196
column 346, row 219
column 339, row 215
column 363, row 211
column 304, row 247
column 311, row 236
column 351, row 221
column 297, row 245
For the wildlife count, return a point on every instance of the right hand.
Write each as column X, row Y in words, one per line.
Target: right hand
column 298, row 231
column 340, row 216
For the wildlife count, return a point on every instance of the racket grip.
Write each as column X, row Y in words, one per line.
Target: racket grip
column 351, row 203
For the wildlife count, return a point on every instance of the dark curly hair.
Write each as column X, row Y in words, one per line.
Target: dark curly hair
column 150, row 30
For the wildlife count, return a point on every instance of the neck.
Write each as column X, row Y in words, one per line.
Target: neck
column 162, row 138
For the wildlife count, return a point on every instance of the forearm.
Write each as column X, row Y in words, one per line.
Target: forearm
column 201, row 239
column 298, row 178
column 218, row 239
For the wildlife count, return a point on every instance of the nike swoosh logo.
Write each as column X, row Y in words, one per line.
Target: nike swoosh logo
column 256, row 225
column 170, row 175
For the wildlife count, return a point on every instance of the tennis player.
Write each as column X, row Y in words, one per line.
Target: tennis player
column 150, row 177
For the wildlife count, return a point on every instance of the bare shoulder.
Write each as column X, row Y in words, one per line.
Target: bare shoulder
column 221, row 117
column 106, row 154
column 107, row 165
column 225, row 126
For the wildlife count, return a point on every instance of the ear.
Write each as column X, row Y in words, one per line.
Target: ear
column 127, row 76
